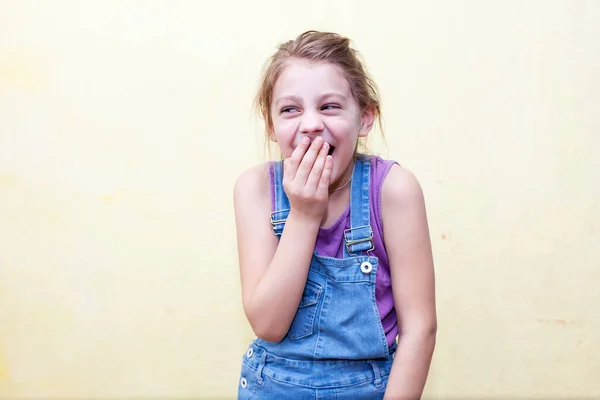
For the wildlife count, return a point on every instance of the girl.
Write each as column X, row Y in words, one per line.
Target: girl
column 334, row 249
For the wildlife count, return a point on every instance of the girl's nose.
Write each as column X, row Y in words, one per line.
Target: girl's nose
column 311, row 123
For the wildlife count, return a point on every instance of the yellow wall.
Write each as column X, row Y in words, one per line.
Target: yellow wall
column 124, row 124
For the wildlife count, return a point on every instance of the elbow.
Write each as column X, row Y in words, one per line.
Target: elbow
column 429, row 332
column 432, row 336
column 269, row 336
column 423, row 332
column 265, row 328
column 268, row 332
column 432, row 329
column 429, row 328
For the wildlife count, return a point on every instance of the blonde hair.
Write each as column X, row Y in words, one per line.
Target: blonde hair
column 319, row 47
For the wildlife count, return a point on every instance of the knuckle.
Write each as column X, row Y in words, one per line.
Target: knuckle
column 306, row 195
column 304, row 167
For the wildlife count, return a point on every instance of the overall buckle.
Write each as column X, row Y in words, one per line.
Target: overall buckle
column 276, row 223
column 351, row 242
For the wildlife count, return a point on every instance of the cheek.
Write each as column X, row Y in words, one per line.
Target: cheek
column 285, row 139
column 284, row 131
column 344, row 124
column 345, row 132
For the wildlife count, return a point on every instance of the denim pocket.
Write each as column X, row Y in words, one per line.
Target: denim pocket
column 304, row 321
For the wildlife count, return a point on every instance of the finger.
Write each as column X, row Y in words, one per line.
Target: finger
column 309, row 159
column 317, row 169
column 323, row 188
column 291, row 164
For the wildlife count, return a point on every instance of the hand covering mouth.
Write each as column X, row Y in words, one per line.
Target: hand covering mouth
column 331, row 149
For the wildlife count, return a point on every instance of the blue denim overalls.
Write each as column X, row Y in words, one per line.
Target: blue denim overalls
column 336, row 347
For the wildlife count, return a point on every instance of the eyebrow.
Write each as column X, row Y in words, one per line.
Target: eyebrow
column 287, row 98
column 332, row 94
column 298, row 100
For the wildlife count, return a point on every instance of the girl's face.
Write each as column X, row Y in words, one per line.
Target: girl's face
column 314, row 99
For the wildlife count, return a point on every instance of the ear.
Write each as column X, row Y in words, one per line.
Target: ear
column 271, row 134
column 367, row 121
column 270, row 131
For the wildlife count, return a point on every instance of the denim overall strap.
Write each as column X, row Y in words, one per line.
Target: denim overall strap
column 282, row 203
column 359, row 238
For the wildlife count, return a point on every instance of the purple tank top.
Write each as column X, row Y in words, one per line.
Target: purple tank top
column 330, row 242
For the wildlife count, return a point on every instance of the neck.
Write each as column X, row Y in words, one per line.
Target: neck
column 343, row 181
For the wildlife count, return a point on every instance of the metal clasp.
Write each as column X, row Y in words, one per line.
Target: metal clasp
column 351, row 242
column 275, row 223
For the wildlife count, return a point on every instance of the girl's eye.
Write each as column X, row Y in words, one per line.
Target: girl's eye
column 288, row 109
column 330, row 106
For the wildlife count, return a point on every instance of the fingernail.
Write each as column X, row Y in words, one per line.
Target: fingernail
column 305, row 140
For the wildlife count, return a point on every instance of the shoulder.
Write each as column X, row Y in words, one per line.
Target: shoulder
column 251, row 191
column 380, row 168
column 252, row 202
column 401, row 189
column 252, row 180
column 405, row 225
column 397, row 183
